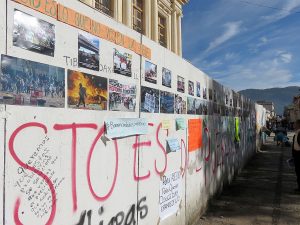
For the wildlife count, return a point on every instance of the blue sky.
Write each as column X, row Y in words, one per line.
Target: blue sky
column 244, row 43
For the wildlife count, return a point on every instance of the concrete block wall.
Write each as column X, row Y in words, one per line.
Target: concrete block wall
column 58, row 168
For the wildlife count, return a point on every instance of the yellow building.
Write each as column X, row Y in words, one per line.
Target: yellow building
column 159, row 20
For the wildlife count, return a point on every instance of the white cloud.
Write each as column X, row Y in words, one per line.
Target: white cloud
column 286, row 57
column 287, row 9
column 230, row 56
column 232, row 29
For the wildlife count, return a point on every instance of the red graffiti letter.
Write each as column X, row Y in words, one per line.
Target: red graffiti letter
column 163, row 150
column 32, row 169
column 100, row 198
column 74, row 128
column 136, row 148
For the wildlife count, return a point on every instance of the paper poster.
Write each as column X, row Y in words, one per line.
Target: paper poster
column 180, row 124
column 33, row 34
column 24, row 82
column 86, row 91
column 150, row 72
column 237, row 129
column 166, row 124
column 173, row 145
column 122, row 63
column 122, row 96
column 195, row 134
column 126, row 127
column 167, row 102
column 88, row 51
column 149, row 100
column 169, row 194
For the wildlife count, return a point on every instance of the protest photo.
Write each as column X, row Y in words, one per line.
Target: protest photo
column 88, row 51
column 210, row 94
column 166, row 77
column 166, row 102
column 180, row 104
column 191, row 105
column 122, row 63
column 33, row 34
column 24, row 82
column 180, row 84
column 122, row 97
column 86, row 91
column 204, row 93
column 149, row 100
column 150, row 72
column 191, row 88
column 198, row 90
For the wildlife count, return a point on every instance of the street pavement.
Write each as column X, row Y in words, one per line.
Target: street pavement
column 262, row 194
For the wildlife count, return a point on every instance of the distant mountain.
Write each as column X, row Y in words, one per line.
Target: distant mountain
column 280, row 96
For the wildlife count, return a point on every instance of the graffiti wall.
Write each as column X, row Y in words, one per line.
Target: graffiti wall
column 100, row 125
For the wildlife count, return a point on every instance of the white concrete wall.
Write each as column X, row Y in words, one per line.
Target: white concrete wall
column 123, row 183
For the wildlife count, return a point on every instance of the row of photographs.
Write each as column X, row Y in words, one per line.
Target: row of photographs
column 37, row 35
column 24, row 82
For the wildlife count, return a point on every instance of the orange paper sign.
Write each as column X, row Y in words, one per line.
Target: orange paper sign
column 48, row 7
column 195, row 134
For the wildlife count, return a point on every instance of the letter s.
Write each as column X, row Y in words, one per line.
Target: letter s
column 32, row 169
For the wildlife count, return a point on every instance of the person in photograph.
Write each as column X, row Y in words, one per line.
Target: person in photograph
column 82, row 95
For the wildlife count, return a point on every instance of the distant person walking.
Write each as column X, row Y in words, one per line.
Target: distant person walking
column 82, row 95
column 296, row 153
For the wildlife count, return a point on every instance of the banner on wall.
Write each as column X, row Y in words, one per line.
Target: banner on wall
column 195, row 134
column 169, row 194
column 116, row 128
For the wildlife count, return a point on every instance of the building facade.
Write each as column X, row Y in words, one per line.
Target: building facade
column 159, row 20
column 270, row 108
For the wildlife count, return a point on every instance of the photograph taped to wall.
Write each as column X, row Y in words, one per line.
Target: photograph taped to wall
column 191, row 105
column 166, row 102
column 180, row 104
column 149, row 100
column 150, row 72
column 198, row 89
column 122, row 63
column 122, row 97
column 199, row 107
column 166, row 77
column 86, row 91
column 210, row 94
column 191, row 88
column 204, row 93
column 33, row 34
column 180, row 84
column 88, row 51
column 215, row 95
column 25, row 82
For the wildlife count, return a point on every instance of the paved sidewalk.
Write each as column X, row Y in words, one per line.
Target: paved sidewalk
column 262, row 194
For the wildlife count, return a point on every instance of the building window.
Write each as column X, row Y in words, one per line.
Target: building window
column 137, row 18
column 162, row 30
column 104, row 6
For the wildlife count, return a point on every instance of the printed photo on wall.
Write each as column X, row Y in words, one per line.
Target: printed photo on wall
column 166, row 77
column 33, row 34
column 191, row 88
column 199, row 107
column 204, row 93
column 198, row 90
column 210, row 94
column 122, row 63
column 122, row 97
column 150, row 72
column 166, row 102
column 180, row 84
column 180, row 105
column 191, row 105
column 215, row 96
column 86, row 91
column 149, row 100
column 88, row 51
column 25, row 82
